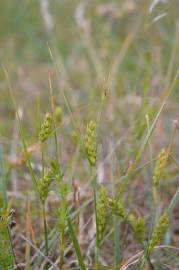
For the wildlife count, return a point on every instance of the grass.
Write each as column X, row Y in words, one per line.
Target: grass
column 89, row 98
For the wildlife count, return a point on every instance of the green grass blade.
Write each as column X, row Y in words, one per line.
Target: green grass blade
column 76, row 244
column 3, row 191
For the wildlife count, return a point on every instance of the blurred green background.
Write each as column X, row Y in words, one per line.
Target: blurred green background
column 133, row 45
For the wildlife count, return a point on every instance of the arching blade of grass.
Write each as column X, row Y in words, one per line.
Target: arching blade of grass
column 75, row 244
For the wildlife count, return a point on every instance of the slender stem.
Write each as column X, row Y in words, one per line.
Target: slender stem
column 53, row 111
column 45, row 229
column 62, row 241
column 42, row 157
column 11, row 244
column 94, row 185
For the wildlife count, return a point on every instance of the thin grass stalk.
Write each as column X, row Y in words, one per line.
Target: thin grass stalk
column 62, row 248
column 62, row 236
column 27, row 248
column 53, row 111
column 94, row 186
column 117, row 241
column 58, row 71
column 43, row 204
column 45, row 229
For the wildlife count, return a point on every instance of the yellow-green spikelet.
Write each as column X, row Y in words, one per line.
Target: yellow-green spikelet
column 90, row 143
column 101, row 210
column 160, row 166
column 46, row 128
column 138, row 225
column 44, row 185
column 116, row 207
column 159, row 231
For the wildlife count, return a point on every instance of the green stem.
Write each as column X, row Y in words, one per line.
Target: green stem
column 62, row 241
column 94, row 185
column 45, row 229
column 11, row 244
column 53, row 113
column 42, row 157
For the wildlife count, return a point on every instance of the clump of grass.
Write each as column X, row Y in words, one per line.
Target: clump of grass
column 105, row 205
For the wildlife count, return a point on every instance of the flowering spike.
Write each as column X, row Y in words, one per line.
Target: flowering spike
column 159, row 167
column 90, row 143
column 159, row 231
column 46, row 128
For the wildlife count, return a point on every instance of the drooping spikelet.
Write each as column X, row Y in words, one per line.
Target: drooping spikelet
column 46, row 128
column 138, row 226
column 159, row 232
column 90, row 143
column 101, row 211
column 44, row 185
column 160, row 166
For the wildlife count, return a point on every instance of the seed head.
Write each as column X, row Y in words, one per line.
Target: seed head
column 159, row 167
column 101, row 211
column 90, row 143
column 44, row 185
column 46, row 128
column 138, row 225
column 159, row 232
column 116, row 207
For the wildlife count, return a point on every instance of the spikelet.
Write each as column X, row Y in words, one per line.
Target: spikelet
column 116, row 207
column 56, row 170
column 58, row 115
column 159, row 232
column 101, row 211
column 44, row 185
column 46, row 128
column 90, row 143
column 138, row 226
column 159, row 167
